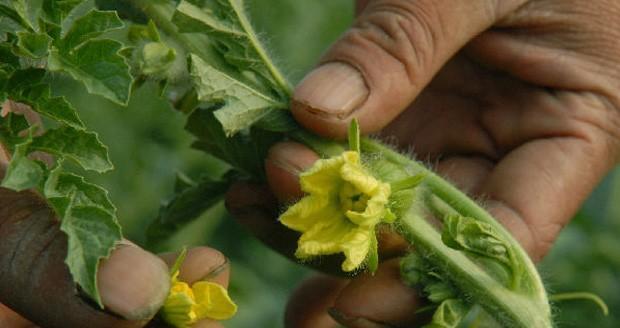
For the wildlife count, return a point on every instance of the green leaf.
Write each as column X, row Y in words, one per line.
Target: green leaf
column 66, row 185
column 242, row 105
column 479, row 239
column 449, row 314
column 22, row 172
column 29, row 11
column 90, row 26
column 57, row 108
column 11, row 20
column 11, row 126
column 34, row 45
column 89, row 220
column 81, row 146
column 157, row 57
column 27, row 87
column 57, row 10
column 227, row 26
column 244, row 151
column 97, row 64
column 186, row 206
column 277, row 121
column 92, row 233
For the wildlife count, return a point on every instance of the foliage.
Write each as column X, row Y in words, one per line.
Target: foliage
column 41, row 37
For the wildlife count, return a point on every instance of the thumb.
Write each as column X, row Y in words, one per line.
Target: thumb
column 391, row 53
column 36, row 283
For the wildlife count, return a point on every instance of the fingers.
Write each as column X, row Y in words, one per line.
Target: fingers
column 392, row 52
column 35, row 282
column 255, row 208
column 309, row 304
column 10, row 319
column 379, row 300
column 542, row 184
column 133, row 282
column 368, row 301
column 286, row 160
column 202, row 264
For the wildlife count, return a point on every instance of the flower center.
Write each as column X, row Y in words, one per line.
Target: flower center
column 352, row 199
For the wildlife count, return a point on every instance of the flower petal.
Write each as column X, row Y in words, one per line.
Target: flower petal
column 308, row 211
column 355, row 174
column 375, row 207
column 336, row 236
column 178, row 309
column 212, row 301
column 324, row 176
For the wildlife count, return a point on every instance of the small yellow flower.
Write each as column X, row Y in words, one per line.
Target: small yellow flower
column 204, row 300
column 340, row 212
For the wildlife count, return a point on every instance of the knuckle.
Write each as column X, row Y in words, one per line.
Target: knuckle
column 406, row 31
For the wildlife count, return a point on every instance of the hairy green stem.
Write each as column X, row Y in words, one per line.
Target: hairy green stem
column 275, row 72
column 522, row 305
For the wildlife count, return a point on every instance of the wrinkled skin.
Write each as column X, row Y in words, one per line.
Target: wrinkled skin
column 516, row 102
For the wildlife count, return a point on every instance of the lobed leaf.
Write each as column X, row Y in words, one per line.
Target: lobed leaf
column 97, row 64
column 92, row 234
column 187, row 205
column 242, row 105
column 88, row 27
column 34, row 45
column 22, row 172
column 225, row 23
column 81, row 146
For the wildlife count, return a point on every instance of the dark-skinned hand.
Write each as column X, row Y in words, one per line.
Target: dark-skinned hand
column 36, row 283
column 516, row 102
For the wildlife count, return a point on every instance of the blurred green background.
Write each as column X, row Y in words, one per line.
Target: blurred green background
column 149, row 146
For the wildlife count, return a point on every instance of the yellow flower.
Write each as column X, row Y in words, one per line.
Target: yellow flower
column 204, row 300
column 340, row 212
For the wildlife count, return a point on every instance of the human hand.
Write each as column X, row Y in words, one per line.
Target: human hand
column 35, row 281
column 516, row 101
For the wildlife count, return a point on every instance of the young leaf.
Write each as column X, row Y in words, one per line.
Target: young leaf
column 478, row 238
column 449, row 314
column 242, row 105
column 156, row 58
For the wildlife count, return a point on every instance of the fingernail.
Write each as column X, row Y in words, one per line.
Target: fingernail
column 292, row 157
column 133, row 283
column 356, row 322
column 333, row 88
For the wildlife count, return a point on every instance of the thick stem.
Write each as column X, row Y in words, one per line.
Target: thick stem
column 527, row 306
